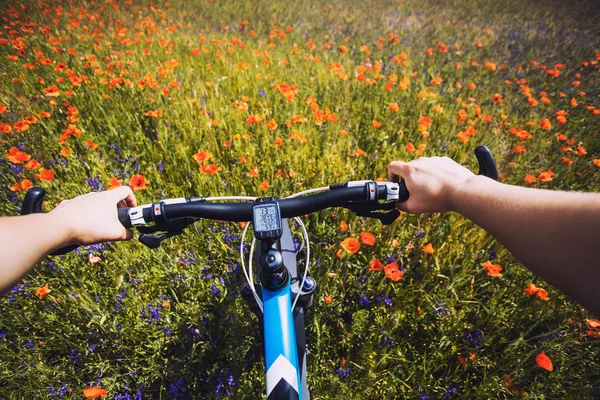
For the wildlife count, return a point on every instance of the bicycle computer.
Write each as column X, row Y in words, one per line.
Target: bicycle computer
column 267, row 220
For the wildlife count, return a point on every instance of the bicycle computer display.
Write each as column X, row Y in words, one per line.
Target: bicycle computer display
column 267, row 221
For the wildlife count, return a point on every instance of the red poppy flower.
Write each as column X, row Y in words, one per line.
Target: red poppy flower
column 210, row 169
column 546, row 176
column 351, row 245
column 17, row 156
column 138, row 182
column 201, row 156
column 264, row 185
column 26, row 184
column 391, row 271
column 531, row 289
column 546, row 124
column 45, row 175
column 32, row 164
column 52, row 91
column 21, row 126
column 114, row 183
column 375, row 265
column 543, row 294
column 94, row 392
column 42, row 292
column 367, row 238
column 428, row 249
column 272, row 125
column 425, row 121
column 492, row 269
column 543, row 361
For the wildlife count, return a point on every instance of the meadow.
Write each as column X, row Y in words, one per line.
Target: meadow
column 268, row 98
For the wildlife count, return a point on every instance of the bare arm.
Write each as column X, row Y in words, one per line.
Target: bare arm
column 87, row 219
column 553, row 233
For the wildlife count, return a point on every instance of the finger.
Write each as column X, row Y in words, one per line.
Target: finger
column 128, row 234
column 396, row 169
column 402, row 206
column 124, row 193
column 122, row 204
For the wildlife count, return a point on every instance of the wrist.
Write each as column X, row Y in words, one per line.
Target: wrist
column 461, row 192
column 61, row 232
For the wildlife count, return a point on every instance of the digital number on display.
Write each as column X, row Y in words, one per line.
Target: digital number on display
column 266, row 218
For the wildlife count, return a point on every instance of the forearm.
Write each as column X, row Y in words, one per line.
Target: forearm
column 555, row 234
column 24, row 241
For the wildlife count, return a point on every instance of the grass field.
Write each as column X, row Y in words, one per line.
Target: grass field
column 268, row 98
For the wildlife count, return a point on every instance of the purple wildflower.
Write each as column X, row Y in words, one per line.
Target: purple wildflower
column 363, row 300
column 440, row 308
column 449, row 393
column 343, row 373
column 153, row 315
column 475, row 338
column 178, row 389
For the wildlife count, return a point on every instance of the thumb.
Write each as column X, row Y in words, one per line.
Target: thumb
column 124, row 193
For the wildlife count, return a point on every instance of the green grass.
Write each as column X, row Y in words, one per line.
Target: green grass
column 405, row 342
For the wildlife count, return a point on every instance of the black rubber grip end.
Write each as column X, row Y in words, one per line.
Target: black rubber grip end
column 403, row 194
column 487, row 165
column 124, row 217
column 32, row 203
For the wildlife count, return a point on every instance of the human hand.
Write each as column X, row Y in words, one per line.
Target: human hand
column 431, row 181
column 92, row 218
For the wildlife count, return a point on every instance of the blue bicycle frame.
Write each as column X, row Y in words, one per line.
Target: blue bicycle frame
column 281, row 353
column 283, row 332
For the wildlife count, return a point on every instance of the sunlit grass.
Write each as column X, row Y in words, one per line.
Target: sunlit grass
column 282, row 97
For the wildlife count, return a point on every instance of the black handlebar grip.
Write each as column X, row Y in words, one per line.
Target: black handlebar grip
column 487, row 165
column 124, row 217
column 32, row 204
column 403, row 194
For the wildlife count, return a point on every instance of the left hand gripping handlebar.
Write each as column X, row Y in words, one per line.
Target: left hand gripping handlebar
column 32, row 204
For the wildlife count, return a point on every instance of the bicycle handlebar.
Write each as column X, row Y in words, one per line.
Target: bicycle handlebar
column 338, row 196
column 173, row 215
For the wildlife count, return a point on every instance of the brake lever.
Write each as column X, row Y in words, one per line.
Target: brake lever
column 368, row 210
column 167, row 229
column 154, row 241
